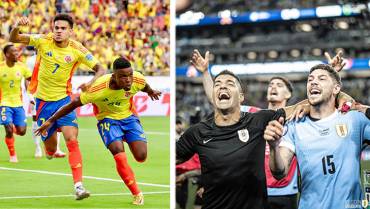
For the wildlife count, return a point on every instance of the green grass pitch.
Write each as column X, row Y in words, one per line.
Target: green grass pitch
column 42, row 183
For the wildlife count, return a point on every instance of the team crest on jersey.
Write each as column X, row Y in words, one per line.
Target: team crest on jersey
column 3, row 118
column 365, row 203
column 68, row 58
column 4, row 75
column 127, row 94
column 342, row 130
column 89, row 57
column 243, row 135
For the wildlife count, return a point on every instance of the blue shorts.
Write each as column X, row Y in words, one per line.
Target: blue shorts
column 128, row 129
column 44, row 110
column 14, row 115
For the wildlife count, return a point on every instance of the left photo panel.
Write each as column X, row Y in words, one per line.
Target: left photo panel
column 85, row 104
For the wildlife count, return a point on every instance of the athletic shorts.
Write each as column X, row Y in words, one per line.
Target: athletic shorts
column 128, row 129
column 44, row 110
column 14, row 115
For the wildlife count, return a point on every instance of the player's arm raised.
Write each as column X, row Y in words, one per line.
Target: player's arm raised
column 60, row 113
column 202, row 64
column 99, row 71
column 153, row 94
column 280, row 157
column 15, row 37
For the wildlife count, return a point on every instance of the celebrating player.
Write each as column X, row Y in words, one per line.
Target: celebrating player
column 12, row 113
column 59, row 58
column 112, row 97
column 326, row 144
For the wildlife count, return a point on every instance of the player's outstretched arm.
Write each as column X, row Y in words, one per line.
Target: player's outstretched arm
column 202, row 64
column 280, row 157
column 153, row 94
column 60, row 113
column 99, row 71
column 15, row 37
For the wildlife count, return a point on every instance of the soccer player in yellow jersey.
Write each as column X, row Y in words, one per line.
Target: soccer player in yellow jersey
column 11, row 105
column 112, row 97
column 59, row 56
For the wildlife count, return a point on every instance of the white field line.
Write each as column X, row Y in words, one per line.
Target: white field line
column 85, row 177
column 72, row 195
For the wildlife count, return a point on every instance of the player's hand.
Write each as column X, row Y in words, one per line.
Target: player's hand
column 85, row 86
column 347, row 106
column 42, row 130
column 200, row 63
column 337, row 61
column 22, row 22
column 274, row 131
column 154, row 95
column 299, row 112
column 200, row 192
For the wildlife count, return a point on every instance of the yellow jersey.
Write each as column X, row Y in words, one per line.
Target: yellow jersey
column 109, row 103
column 10, row 83
column 55, row 66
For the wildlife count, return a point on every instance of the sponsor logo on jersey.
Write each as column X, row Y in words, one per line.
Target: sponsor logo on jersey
column 49, row 54
column 342, row 130
column 243, row 135
column 324, row 132
column 206, row 141
column 68, row 58
column 89, row 57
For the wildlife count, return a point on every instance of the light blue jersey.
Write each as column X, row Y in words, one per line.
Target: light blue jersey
column 328, row 153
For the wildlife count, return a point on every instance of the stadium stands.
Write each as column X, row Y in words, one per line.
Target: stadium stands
column 139, row 30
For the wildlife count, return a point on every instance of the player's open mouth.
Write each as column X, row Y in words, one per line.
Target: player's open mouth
column 273, row 93
column 315, row 92
column 223, row 96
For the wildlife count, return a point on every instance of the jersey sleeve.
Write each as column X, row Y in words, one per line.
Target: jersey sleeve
column 366, row 124
column 86, row 57
column 86, row 97
column 185, row 147
column 36, row 40
column 288, row 137
column 139, row 81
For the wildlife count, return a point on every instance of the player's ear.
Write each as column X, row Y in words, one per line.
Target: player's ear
column 336, row 89
column 241, row 98
column 288, row 95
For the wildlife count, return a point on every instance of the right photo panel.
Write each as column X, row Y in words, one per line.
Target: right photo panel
column 272, row 104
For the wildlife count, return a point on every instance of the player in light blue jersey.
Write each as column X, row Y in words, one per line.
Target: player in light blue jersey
column 327, row 145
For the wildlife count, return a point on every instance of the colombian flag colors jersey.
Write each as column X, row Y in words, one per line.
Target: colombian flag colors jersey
column 10, row 84
column 55, row 66
column 113, row 104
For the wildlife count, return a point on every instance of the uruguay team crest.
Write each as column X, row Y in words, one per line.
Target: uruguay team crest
column 342, row 130
column 243, row 135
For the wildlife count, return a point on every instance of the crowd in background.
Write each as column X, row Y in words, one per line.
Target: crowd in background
column 136, row 29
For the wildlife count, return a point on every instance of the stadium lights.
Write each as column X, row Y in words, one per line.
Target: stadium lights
column 252, row 55
column 272, row 54
column 295, row 53
column 317, row 52
column 305, row 27
column 342, row 25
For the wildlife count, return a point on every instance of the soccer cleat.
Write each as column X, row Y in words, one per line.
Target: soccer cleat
column 138, row 199
column 13, row 159
column 38, row 152
column 59, row 154
column 81, row 193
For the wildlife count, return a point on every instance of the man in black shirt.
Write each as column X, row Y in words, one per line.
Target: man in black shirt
column 231, row 149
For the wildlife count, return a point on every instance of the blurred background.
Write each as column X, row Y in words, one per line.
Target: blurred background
column 137, row 29
column 259, row 39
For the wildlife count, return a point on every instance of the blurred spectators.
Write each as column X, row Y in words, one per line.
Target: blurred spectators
column 136, row 29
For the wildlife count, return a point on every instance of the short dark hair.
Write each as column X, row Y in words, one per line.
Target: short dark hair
column 228, row 72
column 121, row 63
column 332, row 73
column 288, row 84
column 7, row 47
column 65, row 17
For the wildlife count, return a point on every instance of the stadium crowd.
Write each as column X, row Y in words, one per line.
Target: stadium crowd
column 138, row 29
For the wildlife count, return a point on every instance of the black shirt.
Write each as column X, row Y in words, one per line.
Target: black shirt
column 232, row 160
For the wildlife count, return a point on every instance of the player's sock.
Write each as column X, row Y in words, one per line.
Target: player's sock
column 75, row 160
column 58, row 141
column 35, row 138
column 10, row 143
column 127, row 175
